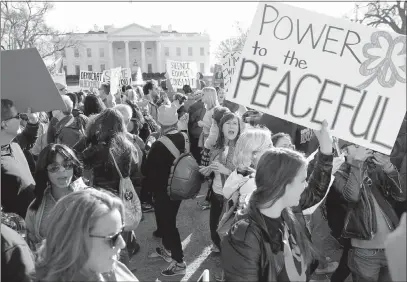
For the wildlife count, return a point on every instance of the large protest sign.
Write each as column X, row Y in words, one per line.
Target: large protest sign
column 305, row 67
column 229, row 63
column 26, row 81
column 90, row 79
column 182, row 73
column 115, row 76
column 125, row 77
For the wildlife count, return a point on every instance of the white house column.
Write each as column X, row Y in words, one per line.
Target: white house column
column 143, row 57
column 158, row 57
column 111, row 60
column 126, row 47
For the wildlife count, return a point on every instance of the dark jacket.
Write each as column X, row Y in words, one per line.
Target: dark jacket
column 17, row 182
column 158, row 164
column 251, row 252
column 17, row 262
column 352, row 176
column 196, row 113
column 105, row 175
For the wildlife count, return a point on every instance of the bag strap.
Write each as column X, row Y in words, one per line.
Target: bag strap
column 115, row 164
column 170, row 146
column 65, row 125
column 187, row 143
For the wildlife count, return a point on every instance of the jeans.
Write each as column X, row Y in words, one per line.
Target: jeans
column 368, row 265
column 166, row 216
column 214, row 217
column 195, row 150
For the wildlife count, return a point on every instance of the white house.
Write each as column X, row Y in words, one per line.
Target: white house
column 134, row 45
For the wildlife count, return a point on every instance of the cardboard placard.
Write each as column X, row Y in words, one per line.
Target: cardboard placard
column 115, row 76
column 90, row 79
column 59, row 78
column 305, row 67
column 125, row 78
column 26, row 81
column 229, row 63
column 182, row 73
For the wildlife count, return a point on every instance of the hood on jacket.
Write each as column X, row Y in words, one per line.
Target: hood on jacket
column 237, row 181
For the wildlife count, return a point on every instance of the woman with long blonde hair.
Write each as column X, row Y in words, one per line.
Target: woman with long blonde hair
column 84, row 240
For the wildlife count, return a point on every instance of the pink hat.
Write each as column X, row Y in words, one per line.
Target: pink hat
column 167, row 115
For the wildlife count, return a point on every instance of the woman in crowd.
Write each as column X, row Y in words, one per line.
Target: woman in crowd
column 249, row 148
column 210, row 100
column 58, row 173
column 108, row 142
column 268, row 243
column 84, row 239
column 92, row 105
column 282, row 140
column 221, row 166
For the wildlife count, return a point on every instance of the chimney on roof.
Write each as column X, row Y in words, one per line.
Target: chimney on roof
column 169, row 28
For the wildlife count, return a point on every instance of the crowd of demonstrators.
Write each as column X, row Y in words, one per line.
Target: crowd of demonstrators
column 68, row 178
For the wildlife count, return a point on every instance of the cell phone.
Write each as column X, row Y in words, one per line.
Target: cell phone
column 204, row 276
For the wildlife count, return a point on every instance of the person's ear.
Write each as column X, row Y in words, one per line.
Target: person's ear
column 3, row 125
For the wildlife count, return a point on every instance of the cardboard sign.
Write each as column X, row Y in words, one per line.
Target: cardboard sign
column 305, row 67
column 125, row 78
column 182, row 73
column 115, row 76
column 26, row 81
column 90, row 79
column 229, row 63
column 59, row 78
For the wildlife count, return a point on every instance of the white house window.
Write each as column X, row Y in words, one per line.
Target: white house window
column 178, row 51
column 89, row 52
column 202, row 68
column 90, row 68
column 102, row 52
column 102, row 67
column 76, row 51
column 150, row 68
column 167, row 51
column 77, row 70
column 202, row 51
column 189, row 51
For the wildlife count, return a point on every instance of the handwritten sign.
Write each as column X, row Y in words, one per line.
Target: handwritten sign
column 305, row 67
column 229, row 63
column 90, row 79
column 115, row 76
column 181, row 73
column 125, row 77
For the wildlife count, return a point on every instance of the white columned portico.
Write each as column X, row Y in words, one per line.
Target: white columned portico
column 143, row 57
column 111, row 60
column 158, row 57
column 126, row 47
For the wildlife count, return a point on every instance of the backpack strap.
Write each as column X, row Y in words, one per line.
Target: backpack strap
column 115, row 164
column 170, row 146
column 64, row 126
column 187, row 143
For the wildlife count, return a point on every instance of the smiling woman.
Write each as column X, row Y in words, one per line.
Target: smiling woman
column 58, row 173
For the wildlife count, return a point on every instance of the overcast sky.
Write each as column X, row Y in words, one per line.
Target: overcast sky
column 217, row 18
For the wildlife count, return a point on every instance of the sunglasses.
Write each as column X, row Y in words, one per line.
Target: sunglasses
column 56, row 167
column 112, row 239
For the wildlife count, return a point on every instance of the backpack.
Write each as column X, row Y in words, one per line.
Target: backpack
column 184, row 181
column 69, row 133
column 131, row 202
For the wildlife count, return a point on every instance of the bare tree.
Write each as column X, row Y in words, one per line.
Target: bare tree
column 232, row 44
column 392, row 15
column 23, row 26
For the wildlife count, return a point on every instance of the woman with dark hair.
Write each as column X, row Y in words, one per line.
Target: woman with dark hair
column 57, row 174
column 282, row 140
column 108, row 143
column 220, row 167
column 92, row 105
column 268, row 243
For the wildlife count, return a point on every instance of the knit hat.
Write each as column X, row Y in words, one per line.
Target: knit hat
column 167, row 115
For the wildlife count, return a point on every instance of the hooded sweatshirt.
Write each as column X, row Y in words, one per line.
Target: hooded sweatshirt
column 242, row 182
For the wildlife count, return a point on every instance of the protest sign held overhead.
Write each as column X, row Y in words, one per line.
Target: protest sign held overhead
column 26, row 81
column 125, row 77
column 59, row 78
column 90, row 79
column 305, row 67
column 182, row 73
column 229, row 63
column 115, row 76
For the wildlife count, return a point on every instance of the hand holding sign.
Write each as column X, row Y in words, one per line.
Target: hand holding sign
column 324, row 138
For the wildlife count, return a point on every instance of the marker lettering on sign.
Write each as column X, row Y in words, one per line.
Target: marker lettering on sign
column 324, row 86
column 283, row 29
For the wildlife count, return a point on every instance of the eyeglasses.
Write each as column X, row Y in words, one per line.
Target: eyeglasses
column 112, row 239
column 56, row 167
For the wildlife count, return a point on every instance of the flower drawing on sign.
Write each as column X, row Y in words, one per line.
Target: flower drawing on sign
column 383, row 55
